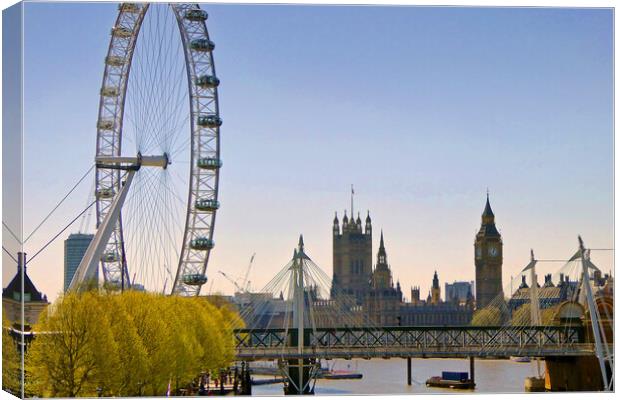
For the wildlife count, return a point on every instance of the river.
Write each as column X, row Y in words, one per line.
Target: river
column 390, row 377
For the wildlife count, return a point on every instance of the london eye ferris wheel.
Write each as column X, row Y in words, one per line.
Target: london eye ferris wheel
column 158, row 131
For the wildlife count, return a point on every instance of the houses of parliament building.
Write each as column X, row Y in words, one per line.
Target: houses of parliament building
column 373, row 288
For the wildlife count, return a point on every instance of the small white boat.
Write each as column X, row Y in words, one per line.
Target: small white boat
column 523, row 359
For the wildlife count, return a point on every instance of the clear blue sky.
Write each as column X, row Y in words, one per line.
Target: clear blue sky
column 421, row 109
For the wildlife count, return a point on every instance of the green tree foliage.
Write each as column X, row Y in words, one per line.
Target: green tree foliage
column 75, row 351
column 522, row 316
column 11, row 360
column 127, row 344
column 488, row 316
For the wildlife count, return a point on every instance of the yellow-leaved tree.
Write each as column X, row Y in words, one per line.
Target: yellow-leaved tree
column 11, row 360
column 522, row 315
column 127, row 344
column 488, row 316
column 74, row 354
column 133, row 356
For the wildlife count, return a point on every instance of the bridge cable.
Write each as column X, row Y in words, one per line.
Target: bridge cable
column 59, row 233
column 11, row 232
column 9, row 254
column 59, row 203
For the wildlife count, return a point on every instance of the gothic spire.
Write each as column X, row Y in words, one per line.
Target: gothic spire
column 488, row 221
column 488, row 212
column 435, row 281
column 301, row 242
column 381, row 254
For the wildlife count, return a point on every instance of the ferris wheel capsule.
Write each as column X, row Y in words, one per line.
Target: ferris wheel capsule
column 110, row 256
column 207, row 204
column 121, row 32
column 115, row 61
column 196, row 15
column 210, row 121
column 105, row 193
column 110, row 91
column 209, row 163
column 129, row 7
column 194, row 279
column 207, row 81
column 202, row 45
column 105, row 124
column 202, row 243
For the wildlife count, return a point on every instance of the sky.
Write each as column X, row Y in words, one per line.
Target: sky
column 422, row 109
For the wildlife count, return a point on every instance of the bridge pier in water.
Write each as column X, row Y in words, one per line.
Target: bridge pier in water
column 582, row 373
column 472, row 370
column 409, row 371
column 294, row 386
column 299, row 373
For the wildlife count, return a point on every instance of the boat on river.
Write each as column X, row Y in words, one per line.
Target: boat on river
column 334, row 375
column 451, row 380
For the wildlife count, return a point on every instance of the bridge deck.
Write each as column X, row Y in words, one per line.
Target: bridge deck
column 418, row 342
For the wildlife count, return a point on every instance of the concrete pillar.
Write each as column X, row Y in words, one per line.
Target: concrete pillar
column 472, row 370
column 572, row 374
column 409, row 371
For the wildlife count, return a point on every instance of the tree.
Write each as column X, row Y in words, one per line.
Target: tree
column 133, row 356
column 523, row 317
column 11, row 360
column 488, row 316
column 77, row 353
column 127, row 344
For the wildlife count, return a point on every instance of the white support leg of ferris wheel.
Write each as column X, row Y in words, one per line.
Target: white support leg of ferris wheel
column 88, row 266
column 90, row 262
column 593, row 315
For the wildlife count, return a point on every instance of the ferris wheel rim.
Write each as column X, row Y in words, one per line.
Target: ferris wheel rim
column 203, row 178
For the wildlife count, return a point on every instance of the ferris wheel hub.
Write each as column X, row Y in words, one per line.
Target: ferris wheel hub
column 133, row 163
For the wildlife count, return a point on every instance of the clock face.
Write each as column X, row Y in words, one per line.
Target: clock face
column 492, row 251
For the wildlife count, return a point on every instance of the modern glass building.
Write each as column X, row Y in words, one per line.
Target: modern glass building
column 75, row 247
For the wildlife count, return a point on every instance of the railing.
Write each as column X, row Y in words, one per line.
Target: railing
column 458, row 341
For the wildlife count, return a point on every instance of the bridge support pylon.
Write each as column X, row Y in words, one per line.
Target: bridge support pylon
column 409, row 371
column 472, row 370
column 573, row 374
column 300, row 369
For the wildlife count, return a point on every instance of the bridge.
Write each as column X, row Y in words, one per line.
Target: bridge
column 413, row 342
column 313, row 322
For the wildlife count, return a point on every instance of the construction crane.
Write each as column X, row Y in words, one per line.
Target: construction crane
column 244, row 287
column 246, row 283
column 231, row 280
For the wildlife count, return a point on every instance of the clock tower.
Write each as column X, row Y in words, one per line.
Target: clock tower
column 488, row 255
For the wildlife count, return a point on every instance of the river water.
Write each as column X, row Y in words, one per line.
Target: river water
column 390, row 377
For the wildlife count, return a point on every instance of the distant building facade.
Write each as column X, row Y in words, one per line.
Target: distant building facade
column 552, row 294
column 381, row 300
column 75, row 247
column 459, row 292
column 488, row 249
column 34, row 301
column 352, row 257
